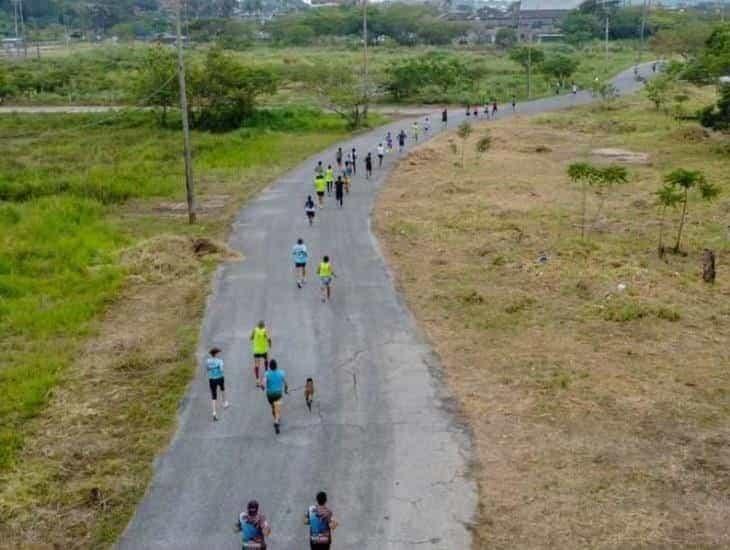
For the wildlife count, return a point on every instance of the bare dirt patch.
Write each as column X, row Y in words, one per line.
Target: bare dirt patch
column 600, row 413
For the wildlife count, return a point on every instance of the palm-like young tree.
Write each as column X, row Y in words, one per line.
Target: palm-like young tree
column 683, row 181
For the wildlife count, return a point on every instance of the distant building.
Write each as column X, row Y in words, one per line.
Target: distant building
column 537, row 18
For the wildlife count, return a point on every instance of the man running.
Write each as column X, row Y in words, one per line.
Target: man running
column 326, row 273
column 346, row 182
column 514, row 104
column 276, row 386
column 260, row 345
column 381, row 154
column 401, row 141
column 253, row 527
column 348, row 168
column 414, row 130
column 389, row 141
column 426, row 124
column 339, row 190
column 368, row 165
column 321, row 523
column 300, row 255
column 214, row 367
column 319, row 187
column 310, row 209
column 319, row 169
column 329, row 177
column 445, row 118
column 494, row 109
column 354, row 161
column 338, row 157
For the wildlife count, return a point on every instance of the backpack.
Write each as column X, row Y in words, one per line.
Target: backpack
column 251, row 533
column 319, row 530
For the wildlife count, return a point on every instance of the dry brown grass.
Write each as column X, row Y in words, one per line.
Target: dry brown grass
column 81, row 473
column 601, row 417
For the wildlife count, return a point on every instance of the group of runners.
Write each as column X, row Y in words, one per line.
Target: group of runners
column 268, row 375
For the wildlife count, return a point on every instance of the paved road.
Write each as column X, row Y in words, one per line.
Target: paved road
column 383, row 439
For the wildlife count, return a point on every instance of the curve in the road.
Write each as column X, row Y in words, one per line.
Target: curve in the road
column 383, row 440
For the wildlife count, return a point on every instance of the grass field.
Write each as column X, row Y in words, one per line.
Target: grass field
column 105, row 75
column 600, row 412
column 101, row 295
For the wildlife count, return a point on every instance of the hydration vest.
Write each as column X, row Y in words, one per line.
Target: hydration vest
column 319, row 530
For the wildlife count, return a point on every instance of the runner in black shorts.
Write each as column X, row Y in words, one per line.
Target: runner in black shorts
column 214, row 367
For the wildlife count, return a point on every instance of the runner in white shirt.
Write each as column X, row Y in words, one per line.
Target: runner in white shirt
column 381, row 154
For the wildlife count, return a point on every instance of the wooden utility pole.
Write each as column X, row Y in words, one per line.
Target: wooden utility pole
column 605, row 14
column 189, row 183
column 365, row 75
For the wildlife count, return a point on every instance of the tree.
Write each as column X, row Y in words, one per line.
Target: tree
column 580, row 28
column 560, row 66
column 585, row 175
column 464, row 131
column 686, row 39
column 605, row 90
column 156, row 85
column 530, row 58
column 684, row 181
column 668, row 197
column 607, row 178
column 341, row 91
column 716, row 117
column 445, row 72
column 505, row 38
column 657, row 90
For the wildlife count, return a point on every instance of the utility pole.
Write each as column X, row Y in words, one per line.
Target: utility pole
column 605, row 14
column 644, row 11
column 189, row 183
column 365, row 83
column 529, row 68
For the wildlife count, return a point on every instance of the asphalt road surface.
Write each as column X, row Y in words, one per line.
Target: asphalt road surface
column 383, row 439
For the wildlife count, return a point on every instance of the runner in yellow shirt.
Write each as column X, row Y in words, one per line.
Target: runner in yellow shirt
column 260, row 346
column 326, row 273
column 320, row 186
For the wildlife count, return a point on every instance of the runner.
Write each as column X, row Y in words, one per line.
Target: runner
column 276, row 386
column 310, row 209
column 339, row 190
column 348, row 168
column 321, row 523
column 476, row 112
column 368, row 165
column 338, row 156
column 300, row 255
column 426, row 124
column 401, row 141
column 354, row 161
column 319, row 187
column 414, row 131
column 381, row 154
column 329, row 177
column 319, row 169
column 346, row 181
column 214, row 366
column 514, row 104
column 326, row 273
column 468, row 110
column 389, row 141
column 575, row 88
column 260, row 344
column 445, row 118
column 494, row 109
column 253, row 527
column 309, row 393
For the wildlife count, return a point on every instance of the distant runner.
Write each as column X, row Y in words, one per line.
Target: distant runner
column 445, row 118
column 319, row 169
column 346, row 181
column 354, row 161
column 300, row 255
column 389, row 141
column 310, row 209
column 276, row 387
column 338, row 157
column 368, row 165
column 426, row 124
column 214, row 367
column 326, row 273
column 319, row 187
column 494, row 109
column 253, row 527
column 401, row 141
column 309, row 393
column 348, row 168
column 514, row 104
column 321, row 523
column 381, row 154
column 329, row 177
column 339, row 190
column 414, row 130
column 260, row 345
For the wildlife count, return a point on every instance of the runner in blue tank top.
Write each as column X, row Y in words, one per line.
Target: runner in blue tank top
column 276, row 387
column 321, row 523
column 253, row 527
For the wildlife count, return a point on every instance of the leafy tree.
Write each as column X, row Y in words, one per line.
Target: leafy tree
column 605, row 179
column 580, row 28
column 560, row 66
column 687, row 39
column 585, row 175
column 464, row 131
column 657, row 90
column 224, row 91
column 505, row 38
column 683, row 181
column 342, row 92
column 668, row 197
column 530, row 58
column 156, row 84
column 716, row 117
column 605, row 90
column 405, row 78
